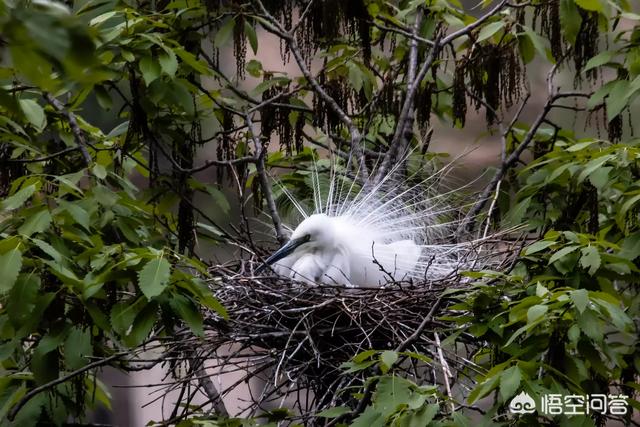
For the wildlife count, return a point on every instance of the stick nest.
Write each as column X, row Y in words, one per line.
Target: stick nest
column 290, row 341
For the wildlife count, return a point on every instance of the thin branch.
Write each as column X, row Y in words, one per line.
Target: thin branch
column 42, row 159
column 78, row 136
column 466, row 30
column 401, row 30
column 34, row 392
column 446, row 372
column 210, row 390
column 264, row 182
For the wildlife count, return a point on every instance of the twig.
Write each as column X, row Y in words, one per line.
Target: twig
column 210, row 390
column 491, row 207
column 73, row 123
column 446, row 372
column 34, row 392
column 264, row 183
column 42, row 159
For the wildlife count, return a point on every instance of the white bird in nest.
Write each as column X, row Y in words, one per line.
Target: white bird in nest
column 366, row 237
column 337, row 251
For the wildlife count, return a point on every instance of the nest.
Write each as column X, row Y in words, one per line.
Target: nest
column 292, row 342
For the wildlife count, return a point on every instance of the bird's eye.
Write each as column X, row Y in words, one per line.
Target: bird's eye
column 306, row 238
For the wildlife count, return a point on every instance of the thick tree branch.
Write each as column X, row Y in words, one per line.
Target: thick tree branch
column 405, row 118
column 73, row 123
column 405, row 114
column 264, row 182
column 210, row 390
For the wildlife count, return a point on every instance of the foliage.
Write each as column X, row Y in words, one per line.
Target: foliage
column 107, row 107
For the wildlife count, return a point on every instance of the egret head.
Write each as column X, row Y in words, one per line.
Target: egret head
column 316, row 233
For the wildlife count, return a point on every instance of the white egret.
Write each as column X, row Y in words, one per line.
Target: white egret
column 338, row 251
column 370, row 234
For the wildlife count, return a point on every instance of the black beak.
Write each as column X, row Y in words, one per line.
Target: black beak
column 284, row 251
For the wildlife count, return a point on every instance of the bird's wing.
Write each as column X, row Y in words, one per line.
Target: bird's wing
column 402, row 257
column 284, row 266
column 338, row 272
column 376, row 265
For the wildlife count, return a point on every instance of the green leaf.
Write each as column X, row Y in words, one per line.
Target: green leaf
column 150, row 69
column 570, row 20
column 25, row 293
column 36, row 223
column 536, row 312
column 118, row 130
column 630, row 248
column 617, row 99
column 598, row 60
column 251, row 35
column 590, row 259
column 211, row 302
column 391, row 392
column 516, row 214
column 509, row 382
column 580, row 298
column 154, row 276
column 254, row 68
column 539, row 246
column 10, row 265
column 99, row 171
column 590, row 325
column 484, row 388
column 422, row 417
column 77, row 348
column 539, row 42
column 193, row 62
column 489, row 30
column 78, row 214
column 188, row 312
column 18, row 199
column 103, row 97
column 219, row 199
column 527, row 50
column 388, row 358
column 224, row 33
column 626, row 206
column 562, row 253
column 591, row 5
column 168, row 62
column 579, row 146
column 143, row 324
column 369, row 418
column 34, row 113
column 124, row 313
column 600, row 177
column 356, row 76
column 594, row 165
